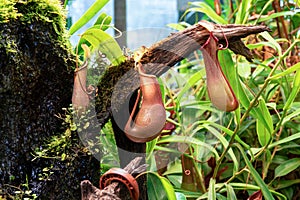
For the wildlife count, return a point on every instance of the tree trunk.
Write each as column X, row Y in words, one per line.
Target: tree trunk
column 36, row 82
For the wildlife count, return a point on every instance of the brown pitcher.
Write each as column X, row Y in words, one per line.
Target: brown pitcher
column 80, row 98
column 219, row 89
column 151, row 117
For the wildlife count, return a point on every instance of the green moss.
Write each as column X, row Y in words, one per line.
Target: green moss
column 106, row 86
column 8, row 11
column 46, row 11
column 49, row 10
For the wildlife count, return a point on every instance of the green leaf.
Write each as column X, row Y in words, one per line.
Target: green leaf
column 256, row 112
column 230, row 192
column 88, row 15
column 180, row 196
column 264, row 188
column 65, row 3
column 278, row 14
column 174, row 168
column 212, row 190
column 286, row 183
column 266, row 161
column 263, row 132
column 230, row 72
column 288, row 71
column 244, row 69
column 190, row 83
column 105, row 43
column 272, row 41
column 225, row 143
column 150, row 146
column 262, row 67
column 290, row 116
column 79, row 50
column 243, row 12
column 206, row 9
column 103, row 21
column 296, row 81
column 203, row 196
column 159, row 187
column 285, row 140
column 257, row 45
column 230, row 133
column 178, row 26
column 287, row 167
column 190, row 194
column 247, row 186
column 175, row 180
column 228, row 68
column 295, row 91
column 220, row 197
column 187, row 140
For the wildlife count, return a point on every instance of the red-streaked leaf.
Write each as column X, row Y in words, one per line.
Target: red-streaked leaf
column 256, row 196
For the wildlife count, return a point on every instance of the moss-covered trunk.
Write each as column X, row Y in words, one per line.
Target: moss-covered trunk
column 36, row 81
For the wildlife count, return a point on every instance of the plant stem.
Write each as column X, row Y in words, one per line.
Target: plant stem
column 198, row 174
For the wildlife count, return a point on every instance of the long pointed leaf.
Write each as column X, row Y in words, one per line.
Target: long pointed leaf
column 225, row 143
column 243, row 11
column 285, row 140
column 256, row 112
column 102, row 23
column 287, row 167
column 286, row 183
column 88, row 15
column 159, row 187
column 187, row 140
column 263, row 132
column 230, row 192
column 288, row 71
column 270, row 39
column 229, row 132
column 294, row 92
column 247, row 186
column 192, row 81
column 290, row 116
column 206, row 9
column 279, row 14
column 105, row 43
column 264, row 188
column 212, row 190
